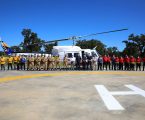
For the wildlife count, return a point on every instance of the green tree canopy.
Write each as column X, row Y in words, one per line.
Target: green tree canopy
column 31, row 42
column 16, row 48
column 90, row 44
column 135, row 45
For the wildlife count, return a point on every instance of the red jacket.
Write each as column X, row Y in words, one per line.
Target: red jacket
column 117, row 60
column 138, row 60
column 121, row 60
column 132, row 60
column 127, row 59
column 143, row 59
column 105, row 59
column 108, row 59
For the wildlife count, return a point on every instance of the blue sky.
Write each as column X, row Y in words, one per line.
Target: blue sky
column 56, row 19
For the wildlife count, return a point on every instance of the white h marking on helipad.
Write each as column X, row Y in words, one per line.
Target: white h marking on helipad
column 110, row 102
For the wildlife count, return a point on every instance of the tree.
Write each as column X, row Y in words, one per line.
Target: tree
column 135, row 45
column 90, row 44
column 16, row 48
column 1, row 53
column 48, row 47
column 113, row 51
column 31, row 42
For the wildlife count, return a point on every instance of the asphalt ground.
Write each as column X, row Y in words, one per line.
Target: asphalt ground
column 64, row 95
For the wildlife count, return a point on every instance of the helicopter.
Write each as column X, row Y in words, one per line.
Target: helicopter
column 8, row 50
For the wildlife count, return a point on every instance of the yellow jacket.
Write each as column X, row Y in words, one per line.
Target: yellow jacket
column 10, row 60
column 15, row 59
column 2, row 61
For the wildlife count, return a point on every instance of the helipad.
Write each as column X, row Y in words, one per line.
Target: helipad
column 31, row 95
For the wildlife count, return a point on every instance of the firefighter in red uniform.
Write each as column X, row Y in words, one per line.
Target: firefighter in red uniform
column 143, row 59
column 138, row 63
column 132, row 63
column 105, row 62
column 109, row 62
column 116, row 63
column 121, row 63
column 126, row 62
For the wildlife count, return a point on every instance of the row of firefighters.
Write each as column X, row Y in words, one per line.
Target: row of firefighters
column 75, row 63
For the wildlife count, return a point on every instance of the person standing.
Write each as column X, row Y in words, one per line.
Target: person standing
column 18, row 62
column 78, row 62
column 126, row 62
column 65, row 62
column 15, row 60
column 72, row 62
column 109, row 62
column 132, row 63
column 143, row 59
column 138, row 63
column 31, row 65
column 45, row 63
column 23, row 62
column 3, row 62
column 113, row 62
column 105, row 60
column 94, row 62
column 121, row 63
column 84, row 62
column 10, row 62
column 116, row 67
column 57, row 63
column 100, row 62
column 89, row 62
column 38, row 62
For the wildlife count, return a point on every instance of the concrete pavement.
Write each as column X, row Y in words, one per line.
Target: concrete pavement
column 68, row 95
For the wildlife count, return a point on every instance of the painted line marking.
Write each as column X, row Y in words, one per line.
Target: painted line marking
column 5, row 79
column 110, row 102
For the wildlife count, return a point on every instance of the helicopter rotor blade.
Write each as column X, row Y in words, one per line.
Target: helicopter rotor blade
column 103, row 33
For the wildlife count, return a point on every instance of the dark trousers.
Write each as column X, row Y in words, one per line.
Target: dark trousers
column 143, row 66
column 116, row 67
column 10, row 66
column 84, row 64
column 23, row 67
column 120, row 66
column 113, row 65
column 132, row 65
column 126, row 66
column 2, row 67
column 105, row 65
column 18, row 66
column 89, row 65
column 100, row 66
column 78, row 65
column 109, row 65
column 138, row 65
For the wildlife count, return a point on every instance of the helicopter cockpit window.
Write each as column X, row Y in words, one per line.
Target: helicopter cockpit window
column 93, row 54
column 76, row 54
column 69, row 55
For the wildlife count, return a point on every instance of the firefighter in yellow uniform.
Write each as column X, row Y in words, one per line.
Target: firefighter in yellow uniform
column 28, row 62
column 3, row 62
column 57, row 62
column 15, row 60
column 44, row 62
column 10, row 62
column 38, row 63
column 48, row 62
column 31, row 66
column 52, row 62
column 18, row 62
column 65, row 62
